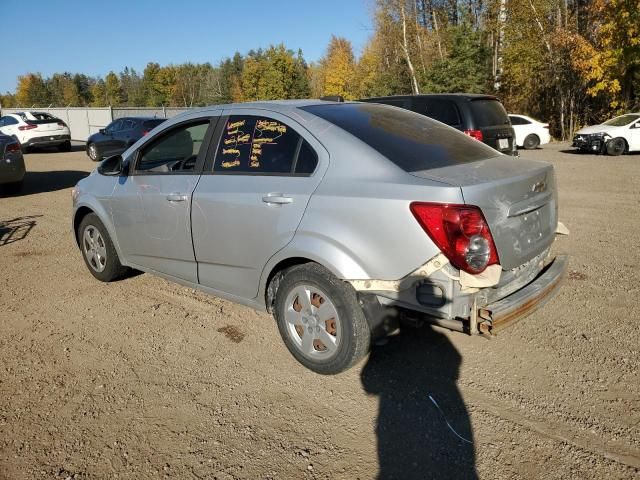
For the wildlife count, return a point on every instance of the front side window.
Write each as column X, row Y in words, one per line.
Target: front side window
column 113, row 126
column 175, row 151
column 261, row 145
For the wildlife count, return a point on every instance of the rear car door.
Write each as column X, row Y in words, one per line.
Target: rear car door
column 151, row 207
column 252, row 196
column 634, row 137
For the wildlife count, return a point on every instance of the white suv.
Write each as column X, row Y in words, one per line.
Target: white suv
column 37, row 129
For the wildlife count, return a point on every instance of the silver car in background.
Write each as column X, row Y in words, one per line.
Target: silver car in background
column 332, row 216
column 12, row 169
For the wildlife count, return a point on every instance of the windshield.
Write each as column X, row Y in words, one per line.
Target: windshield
column 488, row 112
column 410, row 140
column 622, row 120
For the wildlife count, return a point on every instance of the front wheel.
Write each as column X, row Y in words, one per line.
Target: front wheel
column 98, row 251
column 320, row 320
column 531, row 142
column 92, row 151
column 616, row 146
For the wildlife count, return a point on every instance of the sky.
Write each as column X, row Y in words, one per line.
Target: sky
column 92, row 37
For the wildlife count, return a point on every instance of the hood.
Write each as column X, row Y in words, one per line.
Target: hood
column 597, row 129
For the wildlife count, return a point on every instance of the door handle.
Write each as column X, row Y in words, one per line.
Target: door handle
column 177, row 197
column 276, row 199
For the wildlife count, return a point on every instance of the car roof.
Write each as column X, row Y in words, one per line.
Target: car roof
column 282, row 106
column 465, row 96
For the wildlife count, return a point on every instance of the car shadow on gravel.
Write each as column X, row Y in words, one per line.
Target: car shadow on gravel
column 40, row 182
column 413, row 438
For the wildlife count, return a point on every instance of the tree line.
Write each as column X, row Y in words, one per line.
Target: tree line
column 569, row 62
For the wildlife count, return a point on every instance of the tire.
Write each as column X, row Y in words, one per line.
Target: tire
column 93, row 152
column 13, row 188
column 65, row 147
column 531, row 142
column 99, row 255
column 333, row 315
column 616, row 146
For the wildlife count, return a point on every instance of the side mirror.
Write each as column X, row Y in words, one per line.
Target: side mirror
column 112, row 166
column 103, row 131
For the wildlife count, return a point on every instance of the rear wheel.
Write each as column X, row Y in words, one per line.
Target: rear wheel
column 531, row 141
column 616, row 146
column 92, row 151
column 320, row 320
column 98, row 251
column 65, row 147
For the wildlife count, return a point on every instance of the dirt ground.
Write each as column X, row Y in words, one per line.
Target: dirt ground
column 146, row 379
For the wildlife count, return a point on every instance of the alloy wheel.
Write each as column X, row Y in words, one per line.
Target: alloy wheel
column 94, row 248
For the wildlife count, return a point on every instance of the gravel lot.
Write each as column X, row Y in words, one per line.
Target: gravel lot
column 146, row 379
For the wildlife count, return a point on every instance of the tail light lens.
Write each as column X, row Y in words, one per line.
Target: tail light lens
column 477, row 134
column 460, row 232
column 61, row 123
column 144, row 133
column 29, row 126
column 12, row 148
column 546, row 125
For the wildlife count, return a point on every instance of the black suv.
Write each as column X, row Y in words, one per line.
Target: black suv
column 119, row 135
column 480, row 116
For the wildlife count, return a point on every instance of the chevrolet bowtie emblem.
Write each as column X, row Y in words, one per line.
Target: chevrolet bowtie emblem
column 539, row 187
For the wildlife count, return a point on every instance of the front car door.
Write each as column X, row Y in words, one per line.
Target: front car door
column 252, row 196
column 151, row 206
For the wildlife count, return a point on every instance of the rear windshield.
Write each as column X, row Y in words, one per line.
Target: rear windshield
column 622, row 120
column 488, row 112
column 152, row 123
column 411, row 141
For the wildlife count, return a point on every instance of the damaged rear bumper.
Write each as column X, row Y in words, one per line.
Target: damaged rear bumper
column 523, row 302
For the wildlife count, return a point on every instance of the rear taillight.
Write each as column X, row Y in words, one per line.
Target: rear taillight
column 61, row 123
column 546, row 125
column 460, row 232
column 144, row 133
column 28, row 126
column 477, row 134
column 12, row 148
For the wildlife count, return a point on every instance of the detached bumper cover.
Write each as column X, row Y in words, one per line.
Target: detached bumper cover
column 590, row 142
column 526, row 300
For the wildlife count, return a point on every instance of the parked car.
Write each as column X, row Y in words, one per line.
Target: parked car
column 327, row 214
column 37, row 129
column 479, row 116
column 530, row 133
column 613, row 137
column 119, row 135
column 12, row 170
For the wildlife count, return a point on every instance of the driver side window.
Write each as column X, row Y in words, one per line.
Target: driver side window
column 175, row 151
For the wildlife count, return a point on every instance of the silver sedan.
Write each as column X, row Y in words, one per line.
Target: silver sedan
column 339, row 218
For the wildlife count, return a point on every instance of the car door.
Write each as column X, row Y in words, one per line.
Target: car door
column 122, row 138
column 108, row 144
column 151, row 206
column 634, row 137
column 252, row 196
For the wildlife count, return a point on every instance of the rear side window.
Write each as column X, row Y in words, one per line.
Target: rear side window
column 488, row 112
column 444, row 111
column 175, row 151
column 150, row 124
column 519, row 121
column 261, row 145
column 42, row 116
column 412, row 141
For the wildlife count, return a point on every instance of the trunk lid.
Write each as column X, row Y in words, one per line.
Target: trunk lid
column 517, row 197
column 46, row 125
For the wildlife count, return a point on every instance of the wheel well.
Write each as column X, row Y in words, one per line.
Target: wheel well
column 80, row 214
column 276, row 274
